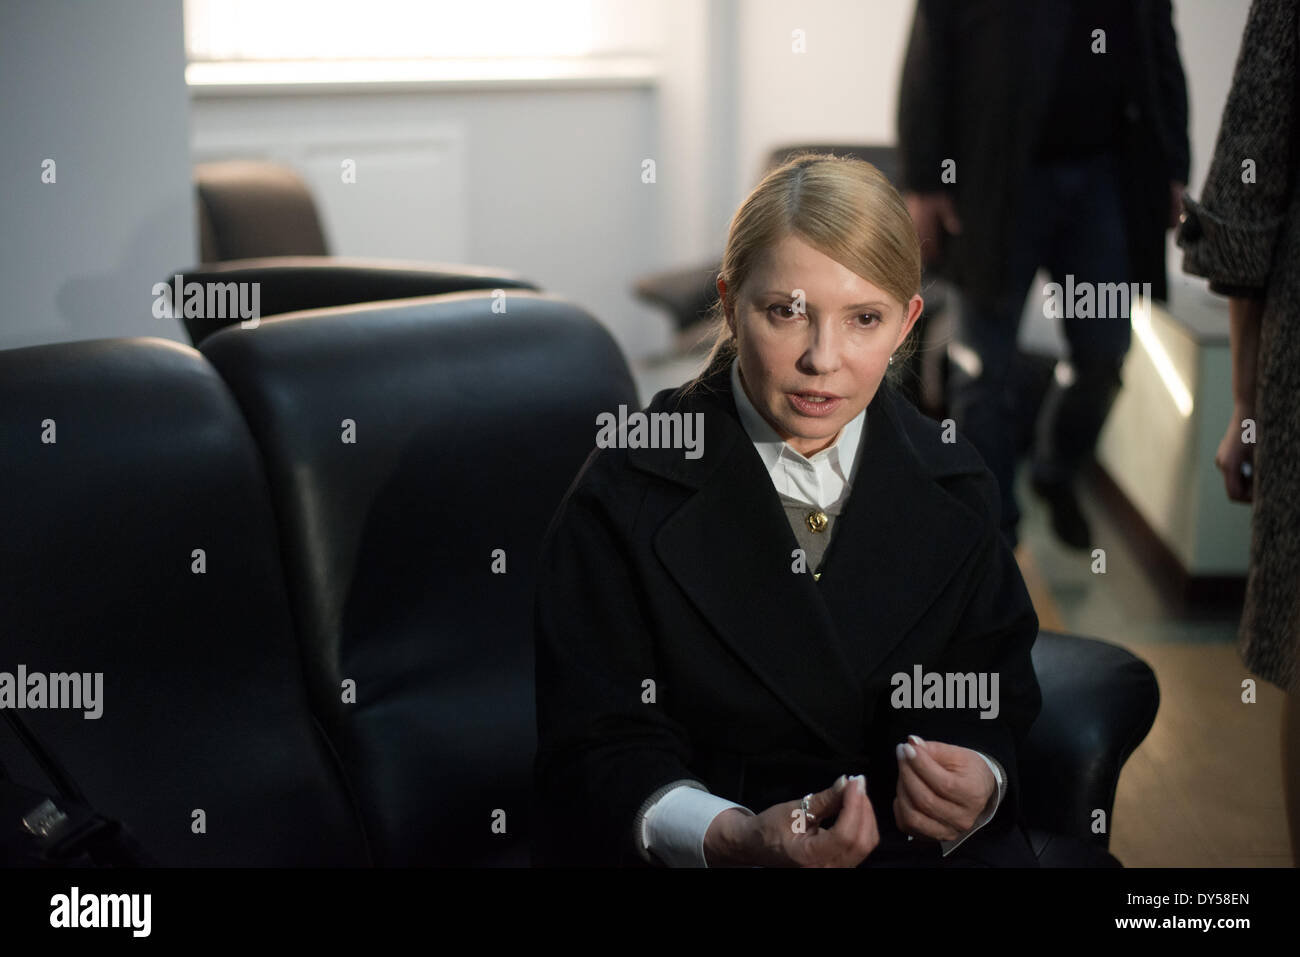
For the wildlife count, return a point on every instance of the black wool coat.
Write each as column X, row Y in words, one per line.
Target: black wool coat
column 768, row 684
column 976, row 87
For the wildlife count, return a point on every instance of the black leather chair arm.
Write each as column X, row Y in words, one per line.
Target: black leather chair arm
column 1099, row 702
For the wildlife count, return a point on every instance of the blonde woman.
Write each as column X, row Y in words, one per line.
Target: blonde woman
column 751, row 651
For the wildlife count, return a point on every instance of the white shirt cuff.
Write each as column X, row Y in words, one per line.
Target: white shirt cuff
column 990, row 809
column 673, row 828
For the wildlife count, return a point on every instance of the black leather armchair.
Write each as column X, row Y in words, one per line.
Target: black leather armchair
column 1099, row 702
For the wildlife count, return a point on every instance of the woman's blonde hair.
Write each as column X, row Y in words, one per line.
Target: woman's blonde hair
column 841, row 206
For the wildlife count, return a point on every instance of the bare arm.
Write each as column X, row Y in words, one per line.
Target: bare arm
column 1244, row 317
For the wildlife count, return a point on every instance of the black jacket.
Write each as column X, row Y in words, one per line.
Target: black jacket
column 768, row 685
column 977, row 82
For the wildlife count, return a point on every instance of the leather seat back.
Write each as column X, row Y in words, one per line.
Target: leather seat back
column 252, row 208
column 417, row 451
column 138, row 543
column 283, row 284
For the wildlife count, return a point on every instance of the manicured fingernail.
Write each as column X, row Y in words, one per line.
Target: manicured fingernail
column 898, row 752
column 915, row 739
column 862, row 783
column 911, row 751
column 839, row 785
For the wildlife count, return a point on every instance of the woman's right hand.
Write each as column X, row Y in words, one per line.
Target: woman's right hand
column 775, row 839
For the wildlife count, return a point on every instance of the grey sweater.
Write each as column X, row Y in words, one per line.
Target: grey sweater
column 814, row 544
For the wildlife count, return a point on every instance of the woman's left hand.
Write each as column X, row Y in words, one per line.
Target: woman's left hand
column 942, row 789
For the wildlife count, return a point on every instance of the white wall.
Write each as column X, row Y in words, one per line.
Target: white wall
column 1209, row 36
column 699, row 83
column 99, row 88
column 844, row 88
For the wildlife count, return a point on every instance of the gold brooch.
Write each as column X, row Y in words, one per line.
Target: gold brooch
column 817, row 521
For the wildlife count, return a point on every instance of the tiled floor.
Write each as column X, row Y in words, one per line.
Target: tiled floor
column 1205, row 787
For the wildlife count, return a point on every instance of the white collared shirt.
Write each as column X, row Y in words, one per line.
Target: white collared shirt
column 822, row 480
column 674, row 827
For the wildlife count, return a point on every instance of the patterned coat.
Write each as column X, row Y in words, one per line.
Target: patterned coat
column 1245, row 238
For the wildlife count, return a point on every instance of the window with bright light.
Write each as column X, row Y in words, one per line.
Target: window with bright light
column 348, row 30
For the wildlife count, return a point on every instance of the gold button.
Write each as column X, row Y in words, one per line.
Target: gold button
column 817, row 576
column 817, row 521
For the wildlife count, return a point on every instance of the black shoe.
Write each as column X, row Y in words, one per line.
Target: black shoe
column 1067, row 517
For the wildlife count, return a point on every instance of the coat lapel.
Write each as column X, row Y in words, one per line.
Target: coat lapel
column 901, row 537
column 897, row 543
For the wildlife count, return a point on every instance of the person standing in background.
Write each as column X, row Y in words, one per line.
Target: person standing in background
column 1046, row 133
column 1244, row 236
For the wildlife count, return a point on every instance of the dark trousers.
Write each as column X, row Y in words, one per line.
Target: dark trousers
column 1070, row 221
